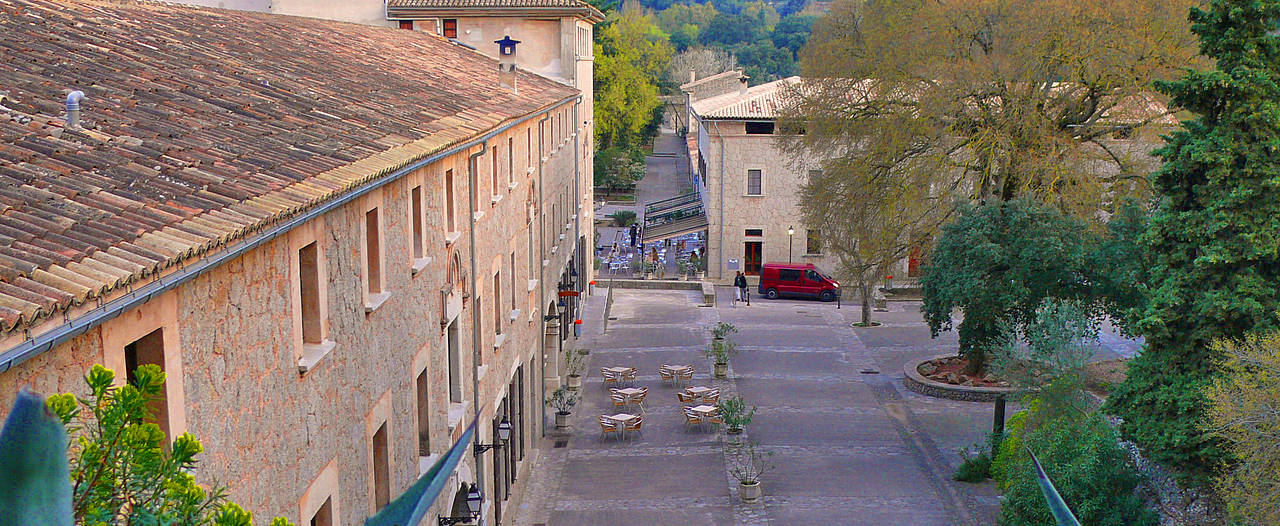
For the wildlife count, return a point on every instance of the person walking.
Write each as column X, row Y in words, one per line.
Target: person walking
column 740, row 282
column 635, row 230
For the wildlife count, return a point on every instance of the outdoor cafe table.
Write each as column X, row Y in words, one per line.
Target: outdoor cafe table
column 697, row 391
column 704, row 410
column 618, row 370
column 621, row 419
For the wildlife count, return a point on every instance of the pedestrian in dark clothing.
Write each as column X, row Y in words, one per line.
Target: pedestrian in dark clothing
column 634, row 231
column 740, row 281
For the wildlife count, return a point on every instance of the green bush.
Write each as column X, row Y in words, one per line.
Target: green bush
column 974, row 468
column 624, row 218
column 1083, row 458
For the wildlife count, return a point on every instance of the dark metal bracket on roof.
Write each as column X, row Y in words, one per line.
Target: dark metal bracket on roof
column 79, row 325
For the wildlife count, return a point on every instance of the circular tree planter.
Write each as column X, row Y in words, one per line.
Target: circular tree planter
column 750, row 491
column 562, row 420
column 721, row 370
column 928, row 387
column 575, row 382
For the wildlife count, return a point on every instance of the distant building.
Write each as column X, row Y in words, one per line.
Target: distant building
column 346, row 245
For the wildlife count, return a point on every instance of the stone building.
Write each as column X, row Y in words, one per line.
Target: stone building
column 750, row 189
column 344, row 244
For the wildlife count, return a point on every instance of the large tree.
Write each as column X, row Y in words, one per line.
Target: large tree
column 1214, row 235
column 631, row 55
column 996, row 98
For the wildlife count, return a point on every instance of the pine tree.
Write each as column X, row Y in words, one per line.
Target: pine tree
column 1213, row 237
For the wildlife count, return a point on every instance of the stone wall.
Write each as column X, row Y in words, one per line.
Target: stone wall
column 269, row 431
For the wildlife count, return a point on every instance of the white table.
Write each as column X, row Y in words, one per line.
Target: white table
column 629, row 391
column 705, row 410
column 621, row 419
column 697, row 390
column 618, row 370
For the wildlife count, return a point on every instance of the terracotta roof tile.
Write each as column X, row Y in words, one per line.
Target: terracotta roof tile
column 204, row 125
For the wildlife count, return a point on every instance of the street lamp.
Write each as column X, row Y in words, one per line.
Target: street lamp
column 791, row 232
column 474, row 498
column 504, row 433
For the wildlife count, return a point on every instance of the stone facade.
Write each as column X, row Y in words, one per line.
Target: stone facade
column 281, row 439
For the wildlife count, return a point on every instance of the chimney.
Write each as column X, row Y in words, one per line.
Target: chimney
column 742, row 85
column 693, row 75
column 73, row 109
column 507, row 62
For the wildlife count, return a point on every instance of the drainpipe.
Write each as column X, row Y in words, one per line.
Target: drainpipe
column 542, row 284
column 472, row 179
column 720, row 253
column 580, row 250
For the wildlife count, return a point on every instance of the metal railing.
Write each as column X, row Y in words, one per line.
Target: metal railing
column 674, row 202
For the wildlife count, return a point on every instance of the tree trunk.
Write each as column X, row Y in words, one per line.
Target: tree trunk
column 864, row 289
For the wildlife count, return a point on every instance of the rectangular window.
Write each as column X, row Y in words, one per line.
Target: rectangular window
column 324, row 515
column 149, row 350
column 511, row 160
column 424, row 415
column 415, row 208
column 372, row 249
column 493, row 170
column 813, row 241
column 381, row 469
column 450, row 28
column 754, row 232
column 513, row 280
column 528, row 148
column 455, row 364
column 497, row 302
column 759, row 128
column 788, row 275
column 754, row 182
column 309, row 286
column 406, row 24
column 448, row 199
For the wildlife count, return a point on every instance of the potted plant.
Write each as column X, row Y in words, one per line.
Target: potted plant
column 575, row 364
column 722, row 329
column 636, row 266
column 737, row 416
column 747, row 463
column 682, row 266
column 720, row 351
column 563, row 400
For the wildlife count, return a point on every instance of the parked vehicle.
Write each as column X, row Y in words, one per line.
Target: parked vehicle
column 805, row 280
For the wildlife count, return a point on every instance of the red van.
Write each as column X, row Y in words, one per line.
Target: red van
column 787, row 279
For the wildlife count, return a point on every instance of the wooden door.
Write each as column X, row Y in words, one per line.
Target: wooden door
column 751, row 260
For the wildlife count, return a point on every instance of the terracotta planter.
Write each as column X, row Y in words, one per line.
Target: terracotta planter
column 562, row 420
column 750, row 492
column 721, row 370
column 575, row 382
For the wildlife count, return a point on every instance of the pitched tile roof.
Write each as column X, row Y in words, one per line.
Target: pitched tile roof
column 409, row 9
column 760, row 102
column 202, row 127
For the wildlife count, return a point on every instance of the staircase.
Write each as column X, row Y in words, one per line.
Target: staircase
column 673, row 217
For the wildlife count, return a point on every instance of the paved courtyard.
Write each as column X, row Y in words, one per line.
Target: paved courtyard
column 850, row 444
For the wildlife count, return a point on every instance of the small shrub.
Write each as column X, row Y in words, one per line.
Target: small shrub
column 1094, row 475
column 624, row 218
column 976, row 468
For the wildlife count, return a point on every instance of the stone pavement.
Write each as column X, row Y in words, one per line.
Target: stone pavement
column 850, row 447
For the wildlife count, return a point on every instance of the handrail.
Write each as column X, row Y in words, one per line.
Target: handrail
column 673, row 202
column 674, row 215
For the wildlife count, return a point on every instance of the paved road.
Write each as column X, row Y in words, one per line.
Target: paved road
column 849, row 448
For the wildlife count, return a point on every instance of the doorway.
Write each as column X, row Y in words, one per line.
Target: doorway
column 751, row 257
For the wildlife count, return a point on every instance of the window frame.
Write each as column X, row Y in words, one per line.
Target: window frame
column 759, row 186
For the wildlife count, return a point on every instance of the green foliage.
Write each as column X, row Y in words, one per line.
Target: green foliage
column 120, row 466
column 1213, row 236
column 974, row 468
column 563, row 399
column 721, row 350
column 736, row 414
column 624, row 218
column 1121, row 266
column 1242, row 411
column 722, row 329
column 631, row 55
column 1000, row 262
column 34, row 486
column 1080, row 453
column 618, row 168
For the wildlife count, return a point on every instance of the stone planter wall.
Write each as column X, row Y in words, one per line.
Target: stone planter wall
column 918, row 383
